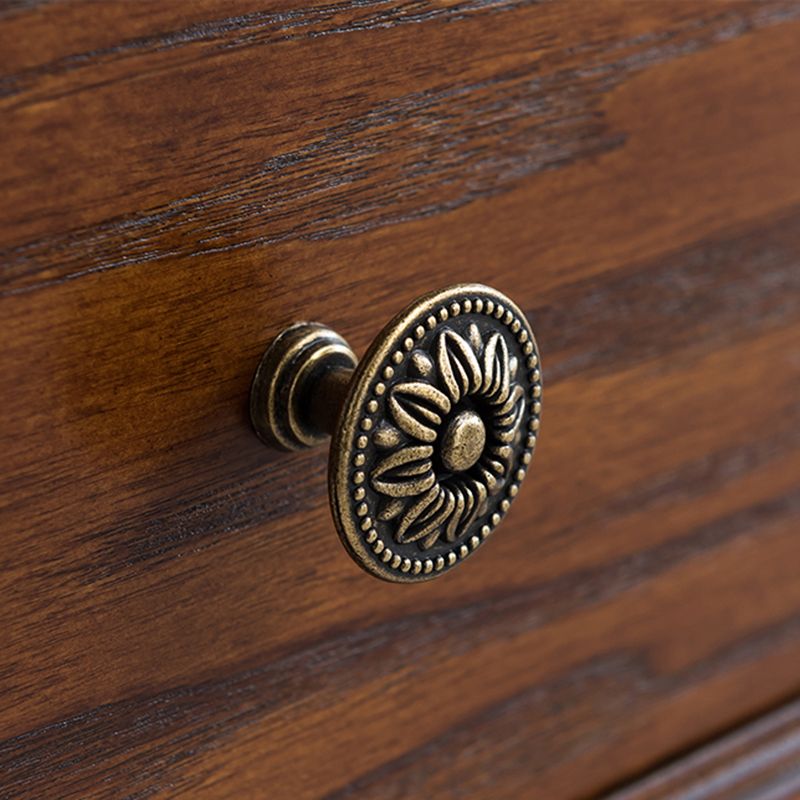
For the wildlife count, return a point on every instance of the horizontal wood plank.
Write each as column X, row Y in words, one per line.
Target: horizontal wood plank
column 760, row 760
column 178, row 182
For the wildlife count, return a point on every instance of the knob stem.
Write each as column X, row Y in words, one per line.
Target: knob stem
column 300, row 386
column 327, row 397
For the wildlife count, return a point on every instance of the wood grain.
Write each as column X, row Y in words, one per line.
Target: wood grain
column 180, row 181
column 762, row 759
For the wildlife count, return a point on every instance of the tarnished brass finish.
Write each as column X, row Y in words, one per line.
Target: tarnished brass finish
column 433, row 430
column 299, row 386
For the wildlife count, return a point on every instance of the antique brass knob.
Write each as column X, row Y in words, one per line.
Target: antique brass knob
column 433, row 430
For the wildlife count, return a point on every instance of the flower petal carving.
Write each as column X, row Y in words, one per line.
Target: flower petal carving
column 434, row 527
column 490, row 379
column 391, row 508
column 514, row 396
column 405, row 472
column 423, row 506
column 492, row 472
column 475, row 337
column 418, row 408
column 503, row 453
column 387, row 436
column 421, row 363
column 429, row 502
column 462, row 498
column 470, row 502
column 458, row 365
column 496, row 370
column 506, row 428
column 424, row 519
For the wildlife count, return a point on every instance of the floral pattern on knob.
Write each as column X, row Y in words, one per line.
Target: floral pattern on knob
column 437, row 433
column 462, row 408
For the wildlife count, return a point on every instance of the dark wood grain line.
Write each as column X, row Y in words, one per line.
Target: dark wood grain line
column 9, row 8
column 445, row 154
column 532, row 606
column 758, row 760
column 419, row 155
column 158, row 734
column 258, row 28
column 157, row 536
column 691, row 481
column 708, row 293
column 622, row 680
column 196, row 719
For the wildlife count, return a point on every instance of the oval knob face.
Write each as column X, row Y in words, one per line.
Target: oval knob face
column 436, row 433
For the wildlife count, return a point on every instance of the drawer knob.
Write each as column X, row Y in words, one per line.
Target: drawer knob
column 433, row 430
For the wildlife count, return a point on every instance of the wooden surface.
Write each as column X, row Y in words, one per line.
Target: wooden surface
column 178, row 181
column 760, row 760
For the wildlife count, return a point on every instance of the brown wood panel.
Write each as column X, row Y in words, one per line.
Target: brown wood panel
column 179, row 181
column 760, row 761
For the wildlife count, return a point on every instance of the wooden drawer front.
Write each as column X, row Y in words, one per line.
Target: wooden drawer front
column 762, row 760
column 180, row 181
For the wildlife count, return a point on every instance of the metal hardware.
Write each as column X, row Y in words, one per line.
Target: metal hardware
column 433, row 430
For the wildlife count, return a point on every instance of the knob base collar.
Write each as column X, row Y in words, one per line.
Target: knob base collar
column 289, row 406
